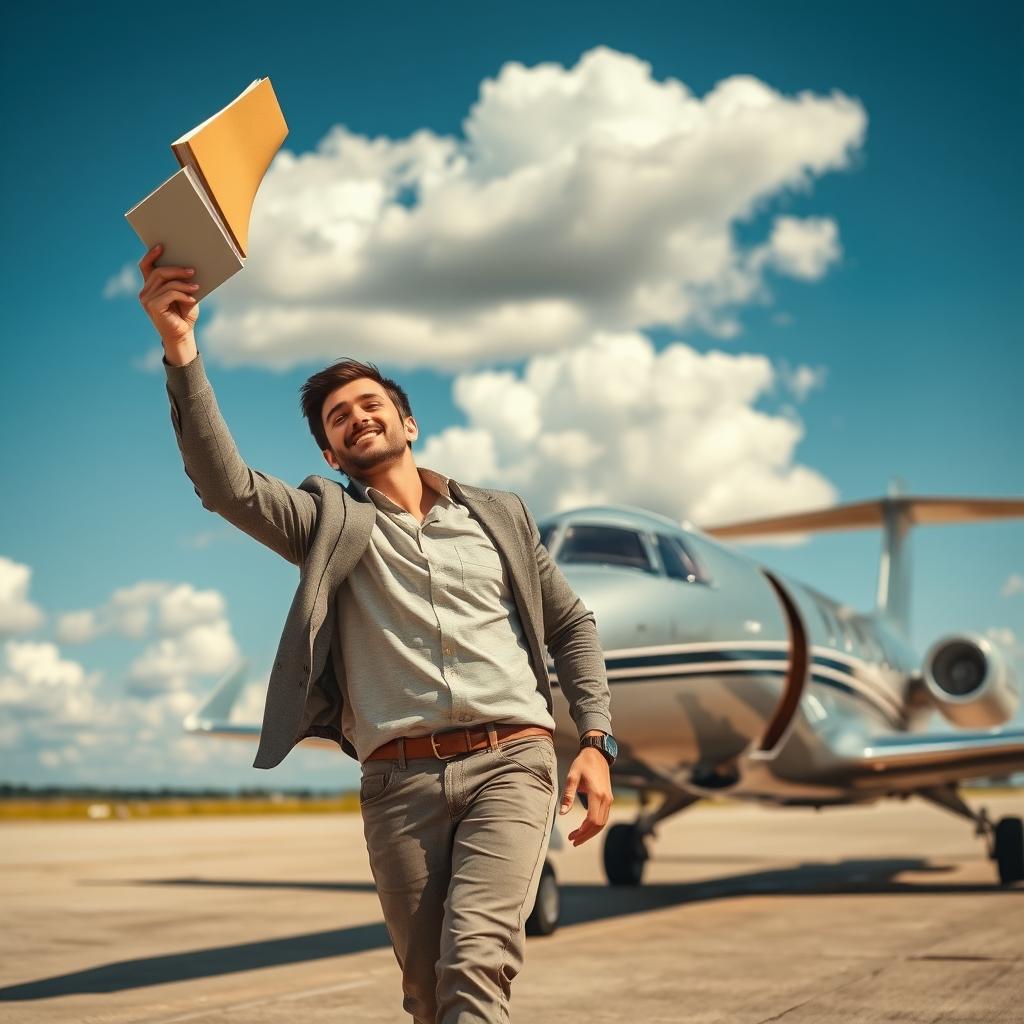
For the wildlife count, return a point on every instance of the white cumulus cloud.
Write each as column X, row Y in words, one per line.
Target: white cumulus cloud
column 127, row 281
column 801, row 380
column 17, row 613
column 128, row 612
column 35, row 680
column 188, row 630
column 801, row 248
column 583, row 198
column 172, row 662
column 614, row 421
column 184, row 607
column 59, row 718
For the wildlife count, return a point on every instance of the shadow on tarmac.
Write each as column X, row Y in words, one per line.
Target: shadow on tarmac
column 580, row 904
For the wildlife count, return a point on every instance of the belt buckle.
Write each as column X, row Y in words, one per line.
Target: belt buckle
column 443, row 757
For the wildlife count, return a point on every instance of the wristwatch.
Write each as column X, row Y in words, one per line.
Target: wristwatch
column 605, row 743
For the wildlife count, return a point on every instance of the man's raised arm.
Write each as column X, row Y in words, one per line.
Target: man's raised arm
column 276, row 514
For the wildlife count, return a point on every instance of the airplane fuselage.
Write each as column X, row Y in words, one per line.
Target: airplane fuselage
column 734, row 659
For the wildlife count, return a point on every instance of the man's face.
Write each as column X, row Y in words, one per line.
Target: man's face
column 364, row 428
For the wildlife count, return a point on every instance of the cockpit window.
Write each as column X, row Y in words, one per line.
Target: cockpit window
column 604, row 545
column 677, row 562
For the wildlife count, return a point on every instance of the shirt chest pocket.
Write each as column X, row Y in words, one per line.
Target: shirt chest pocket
column 480, row 562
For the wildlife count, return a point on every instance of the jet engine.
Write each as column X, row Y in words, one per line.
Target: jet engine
column 970, row 681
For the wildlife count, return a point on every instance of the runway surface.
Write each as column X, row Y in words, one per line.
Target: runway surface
column 890, row 913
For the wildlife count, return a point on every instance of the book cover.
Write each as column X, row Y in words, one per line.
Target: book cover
column 231, row 152
column 179, row 215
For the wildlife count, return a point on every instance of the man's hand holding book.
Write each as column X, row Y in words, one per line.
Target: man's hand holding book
column 166, row 297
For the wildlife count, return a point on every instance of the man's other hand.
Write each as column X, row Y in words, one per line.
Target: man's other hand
column 590, row 774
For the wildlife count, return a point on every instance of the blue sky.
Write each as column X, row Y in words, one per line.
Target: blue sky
column 873, row 296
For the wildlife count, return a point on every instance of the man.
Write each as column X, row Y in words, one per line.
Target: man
column 415, row 641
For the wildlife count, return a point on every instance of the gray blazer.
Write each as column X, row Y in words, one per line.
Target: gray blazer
column 324, row 528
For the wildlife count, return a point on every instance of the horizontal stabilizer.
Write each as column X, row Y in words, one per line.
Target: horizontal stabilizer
column 895, row 515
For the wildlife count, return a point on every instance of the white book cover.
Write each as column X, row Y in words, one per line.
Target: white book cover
column 182, row 218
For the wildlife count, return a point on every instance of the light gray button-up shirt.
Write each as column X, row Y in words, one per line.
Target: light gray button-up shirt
column 429, row 629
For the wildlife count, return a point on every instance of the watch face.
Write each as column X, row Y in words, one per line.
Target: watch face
column 611, row 746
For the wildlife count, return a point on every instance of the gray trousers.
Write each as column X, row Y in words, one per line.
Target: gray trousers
column 456, row 850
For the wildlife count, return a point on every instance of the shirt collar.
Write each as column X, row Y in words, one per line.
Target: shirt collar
column 438, row 481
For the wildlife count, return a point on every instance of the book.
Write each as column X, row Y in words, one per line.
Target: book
column 201, row 213
column 181, row 216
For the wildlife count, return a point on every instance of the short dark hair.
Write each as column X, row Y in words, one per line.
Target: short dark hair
column 318, row 388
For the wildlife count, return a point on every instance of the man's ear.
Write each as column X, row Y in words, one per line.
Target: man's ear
column 412, row 429
column 330, row 459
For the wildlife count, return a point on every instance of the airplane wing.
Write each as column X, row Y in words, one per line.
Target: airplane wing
column 929, row 759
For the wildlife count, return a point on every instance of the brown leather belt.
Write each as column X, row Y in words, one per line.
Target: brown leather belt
column 456, row 741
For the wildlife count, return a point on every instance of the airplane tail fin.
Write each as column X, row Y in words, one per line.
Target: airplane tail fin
column 216, row 709
column 896, row 514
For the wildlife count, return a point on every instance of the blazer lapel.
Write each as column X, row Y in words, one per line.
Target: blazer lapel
column 357, row 524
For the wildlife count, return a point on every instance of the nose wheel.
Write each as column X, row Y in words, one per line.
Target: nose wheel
column 625, row 854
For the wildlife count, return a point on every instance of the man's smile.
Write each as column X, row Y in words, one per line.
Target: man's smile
column 367, row 432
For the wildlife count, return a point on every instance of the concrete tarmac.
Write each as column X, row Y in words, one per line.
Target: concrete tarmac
column 890, row 913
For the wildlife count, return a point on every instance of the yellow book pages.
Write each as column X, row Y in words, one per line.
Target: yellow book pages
column 231, row 152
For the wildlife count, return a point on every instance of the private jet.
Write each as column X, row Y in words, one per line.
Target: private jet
column 729, row 678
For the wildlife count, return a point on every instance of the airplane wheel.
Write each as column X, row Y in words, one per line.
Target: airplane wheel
column 624, row 855
column 1010, row 849
column 543, row 919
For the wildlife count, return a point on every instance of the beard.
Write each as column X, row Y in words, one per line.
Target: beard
column 388, row 446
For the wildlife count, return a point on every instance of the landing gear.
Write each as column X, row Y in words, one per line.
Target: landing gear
column 1008, row 849
column 543, row 919
column 624, row 854
column 1005, row 837
column 625, row 845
